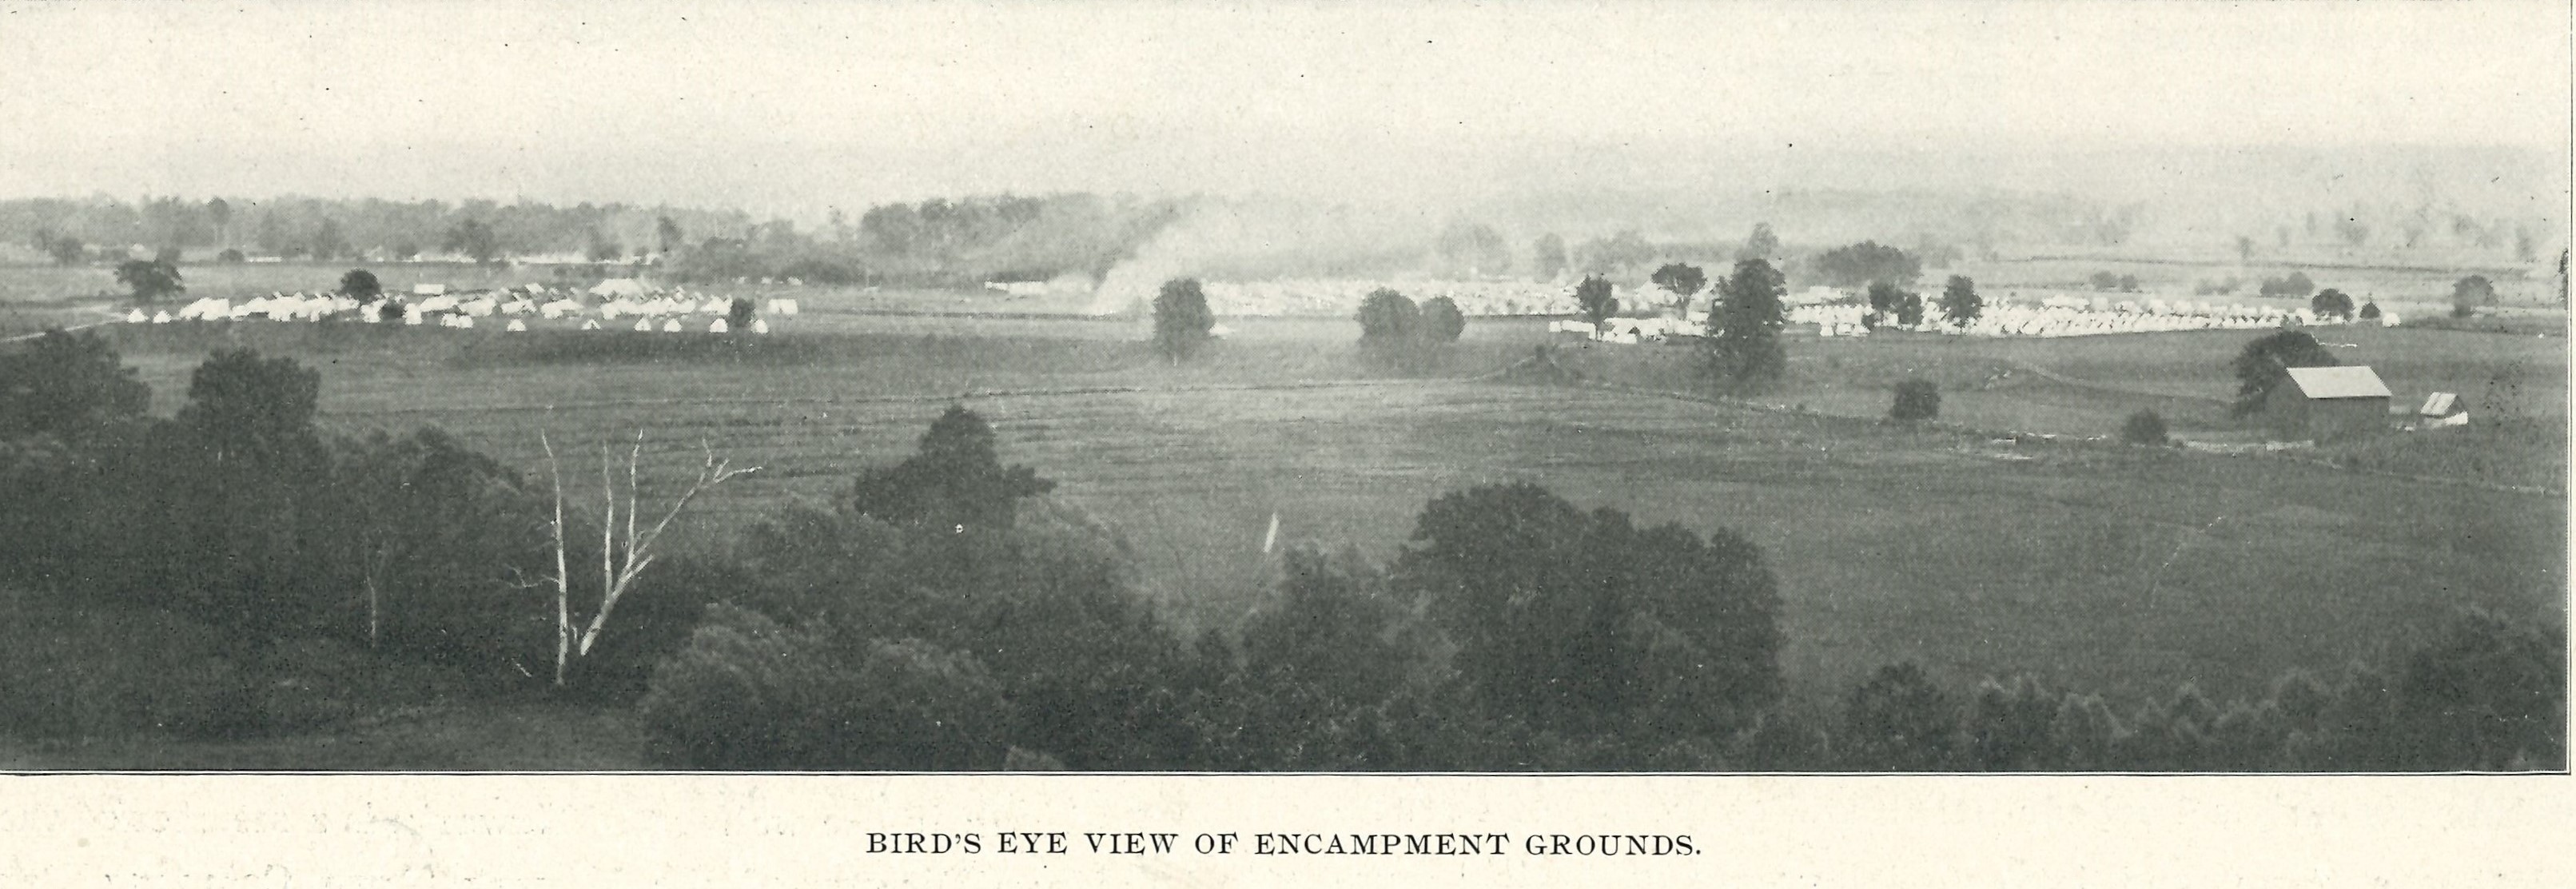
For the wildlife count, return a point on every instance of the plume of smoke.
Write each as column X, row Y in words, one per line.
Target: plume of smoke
column 1268, row 238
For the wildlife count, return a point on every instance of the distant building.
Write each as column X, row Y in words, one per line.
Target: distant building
column 2327, row 403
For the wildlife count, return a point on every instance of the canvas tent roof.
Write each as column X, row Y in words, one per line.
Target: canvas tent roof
column 2338, row 382
column 2439, row 404
column 619, row 287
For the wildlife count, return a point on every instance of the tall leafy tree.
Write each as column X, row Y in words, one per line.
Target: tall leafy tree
column 2331, row 303
column 65, row 384
column 2470, row 293
column 1682, row 279
column 1593, row 296
column 1960, row 302
column 150, row 279
column 955, row 481
column 1743, row 343
column 1181, row 319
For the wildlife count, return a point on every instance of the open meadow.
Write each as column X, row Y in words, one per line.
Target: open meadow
column 2122, row 569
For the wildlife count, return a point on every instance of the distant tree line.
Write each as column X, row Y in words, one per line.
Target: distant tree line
column 325, row 230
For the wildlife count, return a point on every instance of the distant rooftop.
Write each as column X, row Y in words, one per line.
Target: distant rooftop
column 2338, row 382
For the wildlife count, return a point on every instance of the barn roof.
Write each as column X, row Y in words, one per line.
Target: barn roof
column 2338, row 382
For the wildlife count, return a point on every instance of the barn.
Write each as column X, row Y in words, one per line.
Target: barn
column 2327, row 403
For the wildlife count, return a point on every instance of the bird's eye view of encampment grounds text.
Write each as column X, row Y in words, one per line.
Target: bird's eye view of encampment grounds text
column 919, row 388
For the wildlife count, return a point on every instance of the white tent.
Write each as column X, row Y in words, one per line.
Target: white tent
column 719, row 327
column 589, row 325
column 782, row 307
column 760, row 325
column 135, row 317
column 619, row 287
column 517, row 325
column 643, row 325
column 428, row 289
column 160, row 317
column 671, row 326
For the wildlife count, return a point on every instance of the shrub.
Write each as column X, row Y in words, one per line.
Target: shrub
column 2143, row 427
column 99, row 672
column 749, row 693
column 738, row 314
column 1916, row 400
column 361, row 284
column 1441, row 320
column 1898, row 720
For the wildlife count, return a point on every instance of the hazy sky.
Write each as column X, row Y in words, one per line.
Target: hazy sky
column 793, row 108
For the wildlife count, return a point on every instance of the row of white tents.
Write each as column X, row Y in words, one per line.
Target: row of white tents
column 2050, row 318
column 415, row 317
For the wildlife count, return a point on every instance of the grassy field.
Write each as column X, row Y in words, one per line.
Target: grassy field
column 2127, row 570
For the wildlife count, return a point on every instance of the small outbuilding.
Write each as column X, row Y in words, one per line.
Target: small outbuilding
column 2327, row 403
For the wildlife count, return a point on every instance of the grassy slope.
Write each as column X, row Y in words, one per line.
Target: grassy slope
column 2124, row 570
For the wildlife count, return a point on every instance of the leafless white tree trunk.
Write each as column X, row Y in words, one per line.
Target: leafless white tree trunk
column 622, row 558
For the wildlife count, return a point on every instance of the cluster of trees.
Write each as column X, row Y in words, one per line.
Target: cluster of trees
column 2294, row 284
column 1866, row 263
column 951, row 617
column 2108, row 282
column 240, row 516
column 1396, row 331
column 2484, row 693
column 323, row 230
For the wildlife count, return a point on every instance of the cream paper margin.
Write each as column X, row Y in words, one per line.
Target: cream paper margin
column 1789, row 831
column 722, row 830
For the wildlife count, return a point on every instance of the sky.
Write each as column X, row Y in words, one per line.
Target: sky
column 794, row 109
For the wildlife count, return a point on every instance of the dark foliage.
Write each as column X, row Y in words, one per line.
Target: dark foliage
column 2296, row 284
column 66, row 385
column 1855, row 265
column 2143, row 427
column 1593, row 297
column 2470, row 294
column 2331, row 303
column 1742, row 348
column 1583, row 623
column 955, row 484
column 1960, row 302
column 150, row 280
column 361, row 284
column 1682, row 279
column 1899, row 720
column 1916, row 399
column 1389, row 320
column 1181, row 319
column 1441, row 320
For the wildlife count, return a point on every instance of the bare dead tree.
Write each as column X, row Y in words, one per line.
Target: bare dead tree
column 622, row 559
